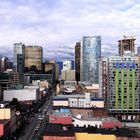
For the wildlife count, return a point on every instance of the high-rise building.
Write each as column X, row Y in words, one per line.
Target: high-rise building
column 57, row 71
column 91, row 53
column 67, row 65
column 126, row 44
column 0, row 63
column 33, row 58
column 103, row 79
column 138, row 53
column 5, row 83
column 68, row 75
column 138, row 50
column 77, row 60
column 19, row 53
column 5, row 62
column 123, row 86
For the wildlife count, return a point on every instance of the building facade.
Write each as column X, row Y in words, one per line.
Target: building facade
column 68, row 75
column 123, row 86
column 91, row 52
column 19, row 54
column 17, row 79
column 33, row 58
column 5, row 64
column 138, row 50
column 103, row 79
column 67, row 65
column 77, row 60
column 126, row 44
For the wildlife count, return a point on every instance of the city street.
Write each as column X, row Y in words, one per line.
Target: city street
column 34, row 130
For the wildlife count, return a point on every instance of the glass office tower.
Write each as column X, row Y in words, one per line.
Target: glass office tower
column 33, row 58
column 19, row 53
column 91, row 53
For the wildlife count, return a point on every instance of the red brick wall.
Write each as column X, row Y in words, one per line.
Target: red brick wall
column 84, row 112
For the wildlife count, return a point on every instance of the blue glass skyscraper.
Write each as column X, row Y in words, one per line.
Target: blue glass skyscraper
column 91, row 53
column 19, row 53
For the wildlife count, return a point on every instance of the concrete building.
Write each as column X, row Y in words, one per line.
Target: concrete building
column 8, row 114
column 4, row 64
column 138, row 54
column 5, row 82
column 57, row 72
column 69, row 87
column 33, row 77
column 87, row 113
column 124, row 87
column 93, row 89
column 126, row 44
column 19, row 55
column 138, row 50
column 77, row 60
column 16, row 78
column 33, row 58
column 103, row 79
column 91, row 52
column 60, row 118
column 50, row 67
column 0, row 65
column 27, row 94
column 67, row 65
column 4, row 129
column 78, row 100
column 68, row 75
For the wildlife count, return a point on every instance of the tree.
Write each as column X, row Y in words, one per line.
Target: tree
column 15, row 103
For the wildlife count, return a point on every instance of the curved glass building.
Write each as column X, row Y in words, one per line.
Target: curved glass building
column 91, row 53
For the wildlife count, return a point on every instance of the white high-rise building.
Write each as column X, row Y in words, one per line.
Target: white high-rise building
column 67, row 65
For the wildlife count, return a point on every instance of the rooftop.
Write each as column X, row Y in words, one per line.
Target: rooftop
column 70, row 130
column 61, row 114
column 103, row 119
column 60, row 96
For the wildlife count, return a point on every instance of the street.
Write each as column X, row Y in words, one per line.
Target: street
column 37, row 124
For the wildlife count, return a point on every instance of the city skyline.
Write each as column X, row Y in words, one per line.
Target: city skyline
column 58, row 25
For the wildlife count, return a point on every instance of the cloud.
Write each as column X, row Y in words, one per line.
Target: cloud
column 54, row 23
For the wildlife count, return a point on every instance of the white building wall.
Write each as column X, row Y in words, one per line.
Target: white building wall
column 73, row 102
column 82, row 123
column 68, row 75
column 98, row 104
column 60, row 103
column 67, row 65
column 21, row 95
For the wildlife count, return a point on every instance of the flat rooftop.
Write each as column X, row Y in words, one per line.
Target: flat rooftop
column 70, row 130
column 75, row 96
column 61, row 114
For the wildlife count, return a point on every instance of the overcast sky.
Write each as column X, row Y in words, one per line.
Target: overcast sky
column 58, row 24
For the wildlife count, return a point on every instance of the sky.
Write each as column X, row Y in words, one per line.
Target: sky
column 58, row 24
